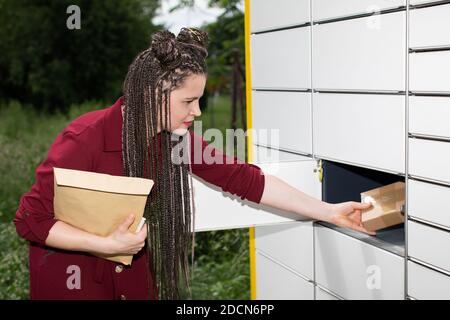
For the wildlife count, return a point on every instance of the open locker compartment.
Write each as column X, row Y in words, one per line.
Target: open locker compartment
column 343, row 182
column 219, row 210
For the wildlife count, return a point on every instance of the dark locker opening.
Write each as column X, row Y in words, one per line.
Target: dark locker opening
column 343, row 182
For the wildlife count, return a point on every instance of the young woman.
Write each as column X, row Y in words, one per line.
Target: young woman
column 135, row 137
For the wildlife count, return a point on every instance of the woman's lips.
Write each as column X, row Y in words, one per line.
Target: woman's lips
column 187, row 124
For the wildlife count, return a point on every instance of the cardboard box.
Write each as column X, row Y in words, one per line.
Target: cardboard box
column 387, row 206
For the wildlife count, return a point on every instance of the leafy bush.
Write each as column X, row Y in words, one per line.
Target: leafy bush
column 48, row 65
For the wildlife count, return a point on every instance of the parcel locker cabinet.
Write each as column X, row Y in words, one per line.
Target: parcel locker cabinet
column 332, row 9
column 428, row 27
column 429, row 152
column 428, row 202
column 354, row 265
column 284, row 251
column 321, row 294
column 429, row 116
column 365, row 53
column 274, row 281
column 429, row 72
column 353, row 269
column 343, row 183
column 218, row 210
column 282, row 120
column 289, row 244
column 435, row 250
column 427, row 284
column 272, row 155
column 429, row 159
column 273, row 14
column 428, row 31
column 363, row 129
column 281, row 59
column 414, row 3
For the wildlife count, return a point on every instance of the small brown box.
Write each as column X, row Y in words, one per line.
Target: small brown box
column 386, row 210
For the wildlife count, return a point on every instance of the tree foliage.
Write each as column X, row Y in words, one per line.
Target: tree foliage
column 226, row 35
column 45, row 64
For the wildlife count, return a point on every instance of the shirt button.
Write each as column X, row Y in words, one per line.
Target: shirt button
column 119, row 268
column 122, row 297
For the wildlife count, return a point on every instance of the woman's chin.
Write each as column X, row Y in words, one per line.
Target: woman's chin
column 180, row 131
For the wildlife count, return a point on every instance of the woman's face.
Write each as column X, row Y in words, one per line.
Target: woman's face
column 184, row 103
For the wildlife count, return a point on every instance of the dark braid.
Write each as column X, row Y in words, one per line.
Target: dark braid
column 151, row 77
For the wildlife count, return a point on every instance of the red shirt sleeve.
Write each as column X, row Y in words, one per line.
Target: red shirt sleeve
column 34, row 217
column 232, row 175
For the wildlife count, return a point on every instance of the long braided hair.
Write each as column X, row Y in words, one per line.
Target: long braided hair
column 151, row 77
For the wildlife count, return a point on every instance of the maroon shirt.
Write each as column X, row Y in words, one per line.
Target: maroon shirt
column 93, row 142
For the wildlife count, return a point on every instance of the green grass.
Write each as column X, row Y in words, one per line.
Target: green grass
column 221, row 269
column 13, row 264
column 25, row 137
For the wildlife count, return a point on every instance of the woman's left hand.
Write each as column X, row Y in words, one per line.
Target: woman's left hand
column 348, row 215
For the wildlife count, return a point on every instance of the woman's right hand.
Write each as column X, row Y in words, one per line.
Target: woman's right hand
column 122, row 241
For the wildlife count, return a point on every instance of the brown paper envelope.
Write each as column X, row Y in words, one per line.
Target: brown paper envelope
column 98, row 203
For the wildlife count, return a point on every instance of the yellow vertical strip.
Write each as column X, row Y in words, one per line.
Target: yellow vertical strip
column 252, row 263
column 248, row 81
column 248, row 92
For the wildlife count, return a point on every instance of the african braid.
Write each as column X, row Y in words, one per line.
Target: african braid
column 151, row 77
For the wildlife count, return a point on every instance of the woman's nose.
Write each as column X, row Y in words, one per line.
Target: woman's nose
column 196, row 110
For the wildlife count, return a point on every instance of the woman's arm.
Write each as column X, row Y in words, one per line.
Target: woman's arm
column 279, row 194
column 121, row 241
column 35, row 220
column 249, row 182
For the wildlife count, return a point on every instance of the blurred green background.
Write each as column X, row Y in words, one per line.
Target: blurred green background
column 49, row 75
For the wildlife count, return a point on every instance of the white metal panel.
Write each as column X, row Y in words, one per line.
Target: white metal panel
column 415, row 2
column 429, row 71
column 429, row 115
column 281, row 59
column 274, row 282
column 360, row 128
column 430, row 245
column 326, row 9
column 429, row 26
column 429, row 159
column 263, row 155
column 219, row 210
column 356, row 270
column 427, row 284
column 284, row 116
column 290, row 244
column 358, row 55
column 323, row 295
column 428, row 202
column 271, row 14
